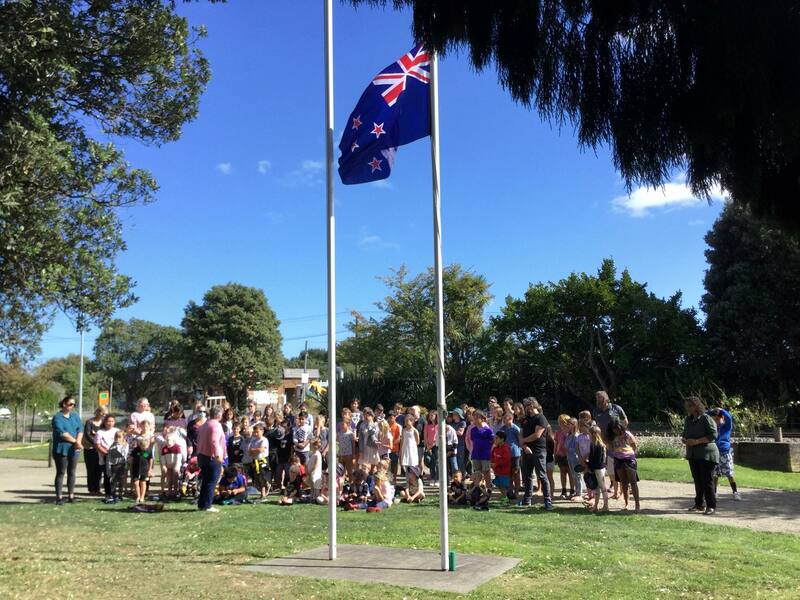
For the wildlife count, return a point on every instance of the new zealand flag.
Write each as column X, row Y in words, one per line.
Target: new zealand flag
column 393, row 110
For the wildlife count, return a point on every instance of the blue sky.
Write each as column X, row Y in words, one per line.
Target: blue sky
column 242, row 197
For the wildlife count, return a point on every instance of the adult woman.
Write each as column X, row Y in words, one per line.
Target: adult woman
column 699, row 433
column 175, row 416
column 90, row 456
column 103, row 440
column 141, row 415
column 67, row 437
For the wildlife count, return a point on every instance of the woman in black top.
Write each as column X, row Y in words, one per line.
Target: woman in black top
column 93, row 469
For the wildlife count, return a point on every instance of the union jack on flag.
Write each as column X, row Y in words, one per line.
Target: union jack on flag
column 394, row 110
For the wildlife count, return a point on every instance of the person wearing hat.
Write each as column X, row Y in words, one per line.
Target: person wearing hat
column 460, row 425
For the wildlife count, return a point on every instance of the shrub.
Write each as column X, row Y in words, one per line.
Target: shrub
column 659, row 446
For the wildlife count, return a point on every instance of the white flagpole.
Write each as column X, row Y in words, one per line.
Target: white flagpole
column 437, row 258
column 332, row 464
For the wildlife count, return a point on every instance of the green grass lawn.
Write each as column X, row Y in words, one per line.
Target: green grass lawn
column 28, row 451
column 677, row 469
column 50, row 551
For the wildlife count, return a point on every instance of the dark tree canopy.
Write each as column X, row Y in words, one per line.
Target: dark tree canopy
column 232, row 340
column 74, row 77
column 709, row 87
column 753, row 307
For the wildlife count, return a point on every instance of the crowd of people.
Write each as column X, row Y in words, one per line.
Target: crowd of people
column 507, row 451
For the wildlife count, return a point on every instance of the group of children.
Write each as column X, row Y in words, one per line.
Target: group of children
column 287, row 452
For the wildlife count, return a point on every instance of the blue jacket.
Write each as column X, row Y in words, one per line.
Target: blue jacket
column 724, row 432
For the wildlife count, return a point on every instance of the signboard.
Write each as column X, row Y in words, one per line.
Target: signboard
column 304, row 378
column 103, row 398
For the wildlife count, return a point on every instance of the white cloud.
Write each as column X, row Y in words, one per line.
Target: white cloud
column 696, row 223
column 369, row 241
column 264, row 166
column 308, row 174
column 383, row 184
column 643, row 201
column 224, row 168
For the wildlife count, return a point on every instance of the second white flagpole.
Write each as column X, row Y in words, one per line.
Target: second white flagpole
column 331, row 223
column 437, row 264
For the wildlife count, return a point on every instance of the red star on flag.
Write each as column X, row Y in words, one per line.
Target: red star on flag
column 354, row 146
column 378, row 130
column 356, row 122
column 375, row 164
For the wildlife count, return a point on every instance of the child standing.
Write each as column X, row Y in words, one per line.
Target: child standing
column 482, row 438
column 115, row 468
column 235, row 450
column 314, row 466
column 512, row 433
column 596, row 464
column 394, row 454
column 561, row 456
column 301, row 437
column 409, row 441
column 385, row 440
column 142, row 467
column 501, row 463
column 623, row 449
column 346, row 438
column 573, row 459
column 258, row 454
column 368, row 439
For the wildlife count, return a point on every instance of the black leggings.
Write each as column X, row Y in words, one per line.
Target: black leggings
column 66, row 464
column 703, row 475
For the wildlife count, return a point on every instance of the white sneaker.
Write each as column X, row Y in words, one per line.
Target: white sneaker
column 212, row 509
column 737, row 496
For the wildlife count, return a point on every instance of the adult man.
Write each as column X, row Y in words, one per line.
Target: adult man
column 606, row 413
column 534, row 452
column 724, row 467
column 211, row 453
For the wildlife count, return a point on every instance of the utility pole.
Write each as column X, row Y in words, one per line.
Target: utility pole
column 305, row 373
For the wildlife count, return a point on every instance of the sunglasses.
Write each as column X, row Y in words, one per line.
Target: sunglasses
column 70, row 404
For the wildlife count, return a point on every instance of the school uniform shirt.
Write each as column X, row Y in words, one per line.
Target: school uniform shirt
column 104, row 438
column 262, row 445
column 482, row 438
column 501, row 460
column 300, row 435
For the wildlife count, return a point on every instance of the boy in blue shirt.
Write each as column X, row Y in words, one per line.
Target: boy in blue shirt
column 724, row 468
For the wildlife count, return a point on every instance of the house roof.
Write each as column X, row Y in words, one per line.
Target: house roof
column 298, row 373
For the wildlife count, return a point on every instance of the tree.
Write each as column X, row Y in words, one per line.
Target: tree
column 752, row 307
column 65, row 372
column 232, row 341
column 317, row 359
column 402, row 344
column 601, row 331
column 140, row 356
column 660, row 83
column 74, row 75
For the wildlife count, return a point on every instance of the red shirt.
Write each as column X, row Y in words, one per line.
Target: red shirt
column 501, row 460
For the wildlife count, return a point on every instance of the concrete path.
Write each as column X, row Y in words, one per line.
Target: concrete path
column 761, row 510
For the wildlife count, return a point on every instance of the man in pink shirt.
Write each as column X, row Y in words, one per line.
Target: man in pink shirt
column 211, row 452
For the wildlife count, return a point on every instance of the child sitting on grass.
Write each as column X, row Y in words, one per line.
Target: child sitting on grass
column 295, row 479
column 457, row 494
column 232, row 487
column 383, row 492
column 414, row 491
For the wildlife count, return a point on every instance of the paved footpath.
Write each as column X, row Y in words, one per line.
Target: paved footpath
column 24, row 481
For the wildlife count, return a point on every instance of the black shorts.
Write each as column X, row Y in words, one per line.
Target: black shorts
column 140, row 469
